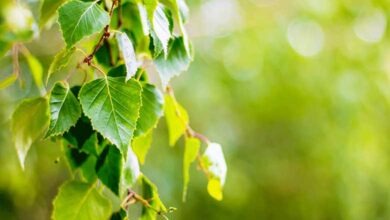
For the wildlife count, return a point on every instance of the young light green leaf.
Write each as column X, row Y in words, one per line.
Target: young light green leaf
column 151, row 109
column 150, row 6
column 64, row 108
column 109, row 168
column 81, row 19
column 177, row 61
column 192, row 146
column 29, row 122
column 214, row 162
column 141, row 145
column 113, row 107
column 80, row 201
column 60, row 61
column 127, row 49
column 7, row 81
column 131, row 171
column 176, row 117
column 150, row 193
column 36, row 70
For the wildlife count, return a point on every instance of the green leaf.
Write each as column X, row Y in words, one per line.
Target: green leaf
column 80, row 201
column 141, row 145
column 29, row 122
column 80, row 134
column 150, row 193
column 176, row 117
column 113, row 107
column 109, row 168
column 64, row 108
column 91, row 145
column 88, row 169
column 7, row 81
column 192, row 146
column 120, row 215
column 81, row 19
column 74, row 156
column 60, row 61
column 128, row 53
column 131, row 171
column 177, row 61
column 214, row 162
column 151, row 109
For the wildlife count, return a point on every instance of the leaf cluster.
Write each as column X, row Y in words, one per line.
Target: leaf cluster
column 106, row 121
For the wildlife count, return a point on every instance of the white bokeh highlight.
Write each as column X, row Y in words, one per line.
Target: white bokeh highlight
column 371, row 27
column 305, row 37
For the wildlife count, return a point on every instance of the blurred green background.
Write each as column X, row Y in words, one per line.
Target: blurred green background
column 298, row 94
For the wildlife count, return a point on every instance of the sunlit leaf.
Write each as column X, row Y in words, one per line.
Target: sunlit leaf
column 180, row 12
column 162, row 33
column 214, row 163
column 192, row 146
column 128, row 54
column 81, row 19
column 141, row 145
column 214, row 188
column 80, row 201
column 144, row 18
column 176, row 117
column 65, row 109
column 113, row 107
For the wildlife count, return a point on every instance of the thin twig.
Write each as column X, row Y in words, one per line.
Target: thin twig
column 120, row 21
column 104, row 36
column 189, row 131
column 98, row 69
column 110, row 55
column 133, row 197
column 15, row 60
